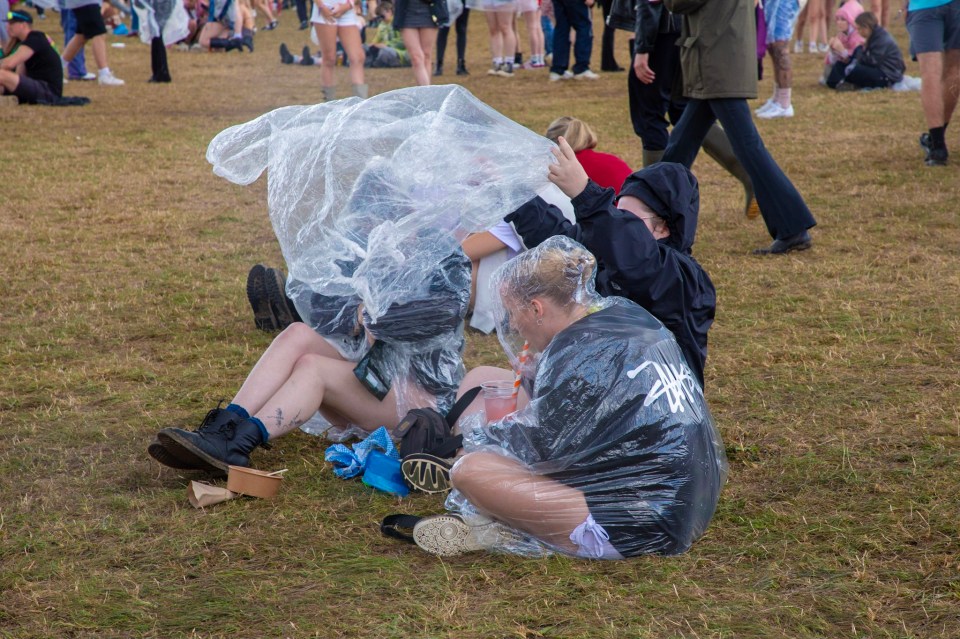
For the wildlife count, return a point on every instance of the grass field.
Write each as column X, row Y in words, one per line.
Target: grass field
column 832, row 377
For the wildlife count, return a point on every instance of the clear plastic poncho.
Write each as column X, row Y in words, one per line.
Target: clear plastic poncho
column 162, row 18
column 369, row 200
column 616, row 422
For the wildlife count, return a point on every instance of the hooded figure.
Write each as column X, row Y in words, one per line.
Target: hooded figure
column 660, row 275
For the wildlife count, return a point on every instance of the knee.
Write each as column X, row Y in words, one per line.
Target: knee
column 471, row 470
column 416, row 58
column 296, row 336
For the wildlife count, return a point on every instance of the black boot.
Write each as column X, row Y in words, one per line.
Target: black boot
column 263, row 315
column 247, row 40
column 462, row 67
column 282, row 306
column 227, row 44
column 158, row 61
column 223, row 439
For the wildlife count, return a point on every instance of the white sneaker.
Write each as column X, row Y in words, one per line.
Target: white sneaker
column 823, row 48
column 769, row 104
column 586, row 75
column 798, row 46
column 812, row 47
column 110, row 80
column 776, row 111
column 567, row 75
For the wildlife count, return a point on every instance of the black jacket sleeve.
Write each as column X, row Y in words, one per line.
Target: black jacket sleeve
column 441, row 311
column 648, row 26
column 536, row 221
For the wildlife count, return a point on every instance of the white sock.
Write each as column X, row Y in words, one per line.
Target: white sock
column 497, row 61
column 105, row 71
column 784, row 99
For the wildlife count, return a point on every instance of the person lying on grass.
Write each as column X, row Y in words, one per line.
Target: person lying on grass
column 615, row 453
column 409, row 357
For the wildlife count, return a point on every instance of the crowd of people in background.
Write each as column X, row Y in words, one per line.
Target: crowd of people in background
column 859, row 53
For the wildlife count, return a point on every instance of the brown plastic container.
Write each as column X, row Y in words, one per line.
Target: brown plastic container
column 252, row 482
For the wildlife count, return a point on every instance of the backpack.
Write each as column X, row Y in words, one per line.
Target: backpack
column 424, row 430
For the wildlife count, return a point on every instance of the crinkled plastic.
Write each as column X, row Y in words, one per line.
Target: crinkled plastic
column 369, row 200
column 615, row 414
column 166, row 18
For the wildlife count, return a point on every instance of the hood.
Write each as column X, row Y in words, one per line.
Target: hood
column 671, row 190
column 849, row 11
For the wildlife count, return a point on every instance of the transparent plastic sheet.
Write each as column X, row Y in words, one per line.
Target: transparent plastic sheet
column 367, row 198
column 617, row 428
column 166, row 18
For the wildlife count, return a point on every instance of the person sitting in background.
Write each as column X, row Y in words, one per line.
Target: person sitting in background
column 842, row 45
column 387, row 49
column 30, row 67
column 877, row 64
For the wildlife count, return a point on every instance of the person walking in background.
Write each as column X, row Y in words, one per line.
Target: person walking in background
column 780, row 17
column 77, row 69
column 418, row 23
column 656, row 68
column 608, row 42
column 934, row 27
column 90, row 27
column 719, row 76
column 332, row 21
column 573, row 14
column 460, row 26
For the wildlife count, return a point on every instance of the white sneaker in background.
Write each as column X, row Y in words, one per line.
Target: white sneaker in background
column 567, row 75
column 776, row 111
column 109, row 80
column 586, row 75
column 823, row 47
column 812, row 47
column 798, row 46
column 769, row 104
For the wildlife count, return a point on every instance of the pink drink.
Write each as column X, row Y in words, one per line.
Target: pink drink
column 498, row 399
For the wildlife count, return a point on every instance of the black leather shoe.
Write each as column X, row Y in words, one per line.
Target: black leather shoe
column 304, row 26
column 798, row 242
column 212, row 447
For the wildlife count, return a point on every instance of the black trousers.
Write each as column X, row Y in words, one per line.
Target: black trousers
column 861, row 75
column 652, row 107
column 783, row 209
column 460, row 26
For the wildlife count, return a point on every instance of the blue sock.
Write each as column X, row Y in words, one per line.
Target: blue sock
column 263, row 429
column 239, row 410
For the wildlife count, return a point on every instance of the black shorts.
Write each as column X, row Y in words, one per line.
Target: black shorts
column 90, row 21
column 30, row 91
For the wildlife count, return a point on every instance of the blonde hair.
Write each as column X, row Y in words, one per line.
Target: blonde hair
column 578, row 133
column 559, row 269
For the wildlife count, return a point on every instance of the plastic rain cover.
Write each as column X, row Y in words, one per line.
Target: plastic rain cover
column 369, row 200
column 614, row 413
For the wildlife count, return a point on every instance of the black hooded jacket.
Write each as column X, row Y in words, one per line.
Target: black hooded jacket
column 661, row 276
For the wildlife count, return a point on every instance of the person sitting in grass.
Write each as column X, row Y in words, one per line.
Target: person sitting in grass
column 30, row 67
column 409, row 357
column 387, row 49
column 642, row 240
column 615, row 453
column 877, row 64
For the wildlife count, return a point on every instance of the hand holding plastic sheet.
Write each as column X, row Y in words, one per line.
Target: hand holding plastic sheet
column 353, row 184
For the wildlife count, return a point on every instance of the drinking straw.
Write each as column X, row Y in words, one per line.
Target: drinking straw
column 523, row 360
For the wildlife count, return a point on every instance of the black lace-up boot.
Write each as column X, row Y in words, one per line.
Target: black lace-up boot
column 223, row 439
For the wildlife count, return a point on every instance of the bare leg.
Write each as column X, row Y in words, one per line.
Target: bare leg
column 277, row 362
column 951, row 83
column 419, row 58
column 99, row 47
column 327, row 35
column 350, row 38
column 508, row 491
column 931, row 88
column 73, row 47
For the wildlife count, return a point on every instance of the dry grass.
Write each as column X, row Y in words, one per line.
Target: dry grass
column 832, row 376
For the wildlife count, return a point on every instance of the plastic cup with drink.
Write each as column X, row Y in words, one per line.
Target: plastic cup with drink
column 499, row 399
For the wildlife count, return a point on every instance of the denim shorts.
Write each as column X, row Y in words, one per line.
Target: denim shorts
column 934, row 30
column 780, row 17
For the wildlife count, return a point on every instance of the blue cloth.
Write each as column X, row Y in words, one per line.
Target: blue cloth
column 349, row 463
column 916, row 5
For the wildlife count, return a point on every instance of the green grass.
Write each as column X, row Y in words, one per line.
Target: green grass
column 832, row 376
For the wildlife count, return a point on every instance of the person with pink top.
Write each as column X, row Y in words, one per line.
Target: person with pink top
column 843, row 44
